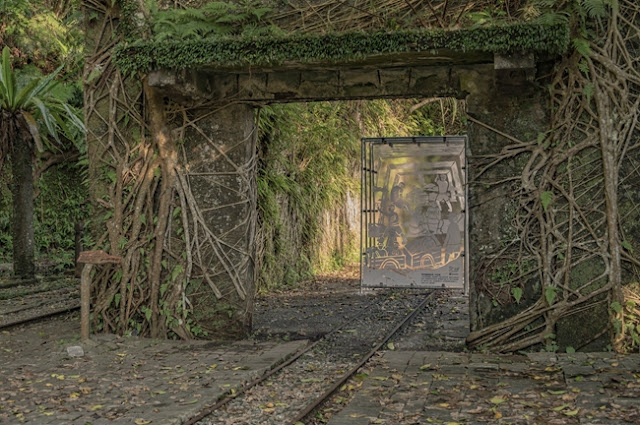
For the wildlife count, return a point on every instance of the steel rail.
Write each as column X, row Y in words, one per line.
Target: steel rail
column 39, row 317
column 311, row 406
column 337, row 384
column 231, row 395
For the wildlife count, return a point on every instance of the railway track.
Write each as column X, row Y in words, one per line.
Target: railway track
column 37, row 304
column 291, row 392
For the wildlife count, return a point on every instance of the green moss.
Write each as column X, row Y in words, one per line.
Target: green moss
column 144, row 56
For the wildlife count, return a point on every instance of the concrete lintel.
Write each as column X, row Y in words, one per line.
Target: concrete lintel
column 514, row 61
column 318, row 84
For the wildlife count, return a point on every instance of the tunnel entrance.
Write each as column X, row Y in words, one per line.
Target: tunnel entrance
column 203, row 105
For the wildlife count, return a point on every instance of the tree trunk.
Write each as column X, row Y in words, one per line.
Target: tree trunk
column 22, row 192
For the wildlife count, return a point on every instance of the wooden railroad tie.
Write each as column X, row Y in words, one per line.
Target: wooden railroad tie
column 89, row 259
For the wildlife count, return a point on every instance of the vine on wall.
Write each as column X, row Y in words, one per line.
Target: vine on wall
column 151, row 216
column 570, row 215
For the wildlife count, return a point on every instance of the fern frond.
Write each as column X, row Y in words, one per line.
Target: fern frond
column 552, row 18
column 583, row 66
column 218, row 8
column 195, row 30
column 595, row 8
column 187, row 15
column 582, row 46
column 232, row 18
column 260, row 12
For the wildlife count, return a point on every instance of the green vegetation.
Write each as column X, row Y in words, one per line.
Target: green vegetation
column 42, row 33
column 309, row 171
column 30, row 106
column 41, row 130
column 308, row 166
column 211, row 20
column 144, row 56
column 61, row 202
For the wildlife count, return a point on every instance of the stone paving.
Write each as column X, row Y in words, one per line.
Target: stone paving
column 120, row 380
column 141, row 381
column 418, row 387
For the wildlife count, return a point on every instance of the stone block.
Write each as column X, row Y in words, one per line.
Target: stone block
column 75, row 351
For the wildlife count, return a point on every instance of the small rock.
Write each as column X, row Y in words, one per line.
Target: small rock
column 75, row 351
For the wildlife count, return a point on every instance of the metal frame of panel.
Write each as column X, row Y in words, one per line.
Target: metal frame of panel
column 414, row 203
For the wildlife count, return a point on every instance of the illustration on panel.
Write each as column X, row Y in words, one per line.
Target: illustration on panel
column 415, row 219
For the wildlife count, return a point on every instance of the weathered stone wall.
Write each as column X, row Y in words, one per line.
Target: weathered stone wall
column 506, row 101
column 220, row 165
column 517, row 105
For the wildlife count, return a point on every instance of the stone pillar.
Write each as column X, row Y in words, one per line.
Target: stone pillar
column 509, row 102
column 220, row 165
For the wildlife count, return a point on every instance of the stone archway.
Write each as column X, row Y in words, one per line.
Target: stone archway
column 218, row 165
column 499, row 95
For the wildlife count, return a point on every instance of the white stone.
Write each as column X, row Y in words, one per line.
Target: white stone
column 75, row 351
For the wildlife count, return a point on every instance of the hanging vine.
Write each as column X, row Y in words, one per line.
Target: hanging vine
column 570, row 213
column 145, row 199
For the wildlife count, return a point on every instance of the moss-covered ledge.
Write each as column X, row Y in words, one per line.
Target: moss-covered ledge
column 145, row 56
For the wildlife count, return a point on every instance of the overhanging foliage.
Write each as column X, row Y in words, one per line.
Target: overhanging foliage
column 145, row 56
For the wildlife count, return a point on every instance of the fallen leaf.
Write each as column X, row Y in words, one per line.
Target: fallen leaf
column 141, row 421
column 497, row 415
column 497, row 400
column 425, row 366
column 571, row 412
column 561, row 407
column 96, row 407
column 390, row 346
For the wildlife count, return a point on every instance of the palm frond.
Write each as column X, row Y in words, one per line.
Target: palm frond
column 25, row 92
column 32, row 124
column 47, row 118
column 45, row 85
column 7, row 79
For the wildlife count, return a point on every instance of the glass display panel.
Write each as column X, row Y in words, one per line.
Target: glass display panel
column 414, row 212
